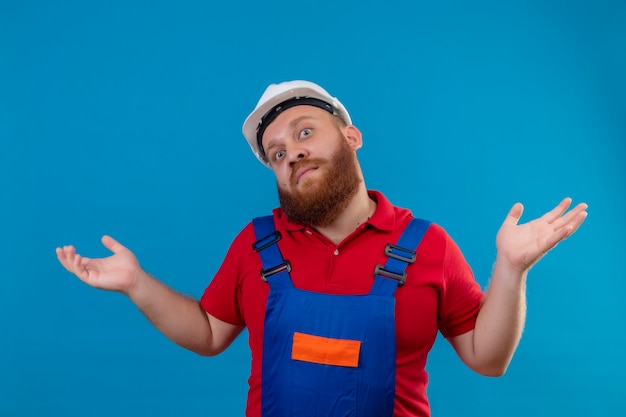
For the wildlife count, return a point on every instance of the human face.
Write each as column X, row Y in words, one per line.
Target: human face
column 315, row 164
column 303, row 133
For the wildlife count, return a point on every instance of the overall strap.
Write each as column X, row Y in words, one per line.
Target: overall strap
column 274, row 266
column 387, row 278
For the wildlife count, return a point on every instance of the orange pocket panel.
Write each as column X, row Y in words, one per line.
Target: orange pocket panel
column 325, row 350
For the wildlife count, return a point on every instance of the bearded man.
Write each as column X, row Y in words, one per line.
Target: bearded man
column 342, row 293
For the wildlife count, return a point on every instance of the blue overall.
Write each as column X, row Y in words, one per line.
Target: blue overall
column 306, row 370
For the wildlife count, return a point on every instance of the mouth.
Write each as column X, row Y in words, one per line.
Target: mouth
column 303, row 173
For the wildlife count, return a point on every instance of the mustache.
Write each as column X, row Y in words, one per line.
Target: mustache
column 303, row 163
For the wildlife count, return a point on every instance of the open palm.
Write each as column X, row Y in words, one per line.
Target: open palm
column 522, row 245
column 117, row 272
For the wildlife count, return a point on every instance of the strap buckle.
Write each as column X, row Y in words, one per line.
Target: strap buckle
column 284, row 266
column 266, row 241
column 412, row 255
column 380, row 270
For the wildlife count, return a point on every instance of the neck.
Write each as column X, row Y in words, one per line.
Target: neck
column 359, row 210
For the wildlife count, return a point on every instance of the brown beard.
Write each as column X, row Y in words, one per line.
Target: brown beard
column 320, row 203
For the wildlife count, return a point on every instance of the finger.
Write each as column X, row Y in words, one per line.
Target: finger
column 558, row 211
column 77, row 265
column 65, row 256
column 571, row 216
column 514, row 214
column 73, row 262
column 566, row 231
column 87, row 269
column 556, row 238
column 61, row 257
column 60, row 253
column 112, row 244
column 82, row 266
column 575, row 223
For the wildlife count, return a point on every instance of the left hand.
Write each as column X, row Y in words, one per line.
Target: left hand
column 522, row 245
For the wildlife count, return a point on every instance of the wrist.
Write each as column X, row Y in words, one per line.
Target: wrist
column 138, row 284
column 505, row 267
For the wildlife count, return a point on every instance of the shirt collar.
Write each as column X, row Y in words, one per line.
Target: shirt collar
column 384, row 217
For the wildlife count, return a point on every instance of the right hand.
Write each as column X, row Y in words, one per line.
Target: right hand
column 118, row 272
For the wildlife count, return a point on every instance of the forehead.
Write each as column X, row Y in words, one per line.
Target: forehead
column 290, row 117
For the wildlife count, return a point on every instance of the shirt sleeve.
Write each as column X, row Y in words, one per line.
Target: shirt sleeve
column 221, row 297
column 461, row 296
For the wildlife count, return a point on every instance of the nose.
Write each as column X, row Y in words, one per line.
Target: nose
column 295, row 153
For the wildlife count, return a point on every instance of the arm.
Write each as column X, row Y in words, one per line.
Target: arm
column 178, row 317
column 489, row 348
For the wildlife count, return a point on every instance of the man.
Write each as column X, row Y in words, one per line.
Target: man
column 342, row 293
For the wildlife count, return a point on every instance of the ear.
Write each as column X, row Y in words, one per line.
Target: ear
column 353, row 136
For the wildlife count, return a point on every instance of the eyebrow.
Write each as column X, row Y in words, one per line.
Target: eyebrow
column 291, row 125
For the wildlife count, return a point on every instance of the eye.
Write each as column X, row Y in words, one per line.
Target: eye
column 305, row 132
column 279, row 155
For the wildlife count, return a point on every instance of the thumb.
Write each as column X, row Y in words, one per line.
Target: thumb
column 514, row 214
column 112, row 244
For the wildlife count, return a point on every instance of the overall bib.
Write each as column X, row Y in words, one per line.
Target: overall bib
column 325, row 354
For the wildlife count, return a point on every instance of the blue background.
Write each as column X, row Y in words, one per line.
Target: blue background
column 123, row 117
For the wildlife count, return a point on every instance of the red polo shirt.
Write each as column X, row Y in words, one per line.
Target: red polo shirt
column 440, row 292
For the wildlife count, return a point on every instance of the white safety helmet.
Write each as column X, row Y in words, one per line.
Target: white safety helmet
column 279, row 97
